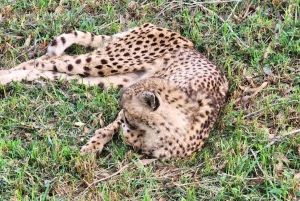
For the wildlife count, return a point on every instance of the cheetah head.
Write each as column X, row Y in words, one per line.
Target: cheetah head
column 156, row 106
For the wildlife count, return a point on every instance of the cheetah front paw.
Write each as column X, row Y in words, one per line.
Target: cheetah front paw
column 5, row 79
column 101, row 137
column 92, row 146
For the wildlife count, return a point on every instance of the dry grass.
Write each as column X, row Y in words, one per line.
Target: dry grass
column 253, row 153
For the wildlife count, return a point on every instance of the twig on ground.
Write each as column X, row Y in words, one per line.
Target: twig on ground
column 105, row 178
column 262, row 109
column 201, row 5
column 262, row 171
column 244, row 178
column 222, row 20
column 247, row 10
column 195, row 3
column 107, row 25
column 237, row 3
column 275, row 139
column 165, row 9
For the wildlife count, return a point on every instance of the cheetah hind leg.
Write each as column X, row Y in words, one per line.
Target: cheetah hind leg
column 86, row 39
column 113, row 81
column 102, row 136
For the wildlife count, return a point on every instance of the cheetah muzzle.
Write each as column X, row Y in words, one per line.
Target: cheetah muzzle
column 171, row 94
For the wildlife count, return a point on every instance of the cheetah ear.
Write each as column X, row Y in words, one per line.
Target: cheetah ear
column 150, row 99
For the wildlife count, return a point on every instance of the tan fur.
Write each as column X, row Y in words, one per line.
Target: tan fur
column 171, row 93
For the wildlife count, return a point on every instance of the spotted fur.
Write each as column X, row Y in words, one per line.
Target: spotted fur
column 171, row 93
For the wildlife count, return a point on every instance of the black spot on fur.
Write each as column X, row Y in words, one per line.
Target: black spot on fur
column 70, row 67
column 63, row 40
column 86, row 68
column 98, row 67
column 88, row 60
column 101, row 85
column 54, row 42
column 103, row 61
column 78, row 61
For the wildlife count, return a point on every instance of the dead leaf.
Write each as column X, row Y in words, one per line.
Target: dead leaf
column 86, row 130
column 255, row 90
column 258, row 89
column 147, row 161
column 249, row 79
column 279, row 167
column 245, row 98
column 100, row 120
column 271, row 136
column 244, row 88
column 58, row 9
column 267, row 70
column 89, row 96
column 297, row 175
column 223, row 165
column 267, row 51
column 73, row 147
column 275, row 2
column 122, row 19
column 220, row 154
column 28, row 137
column 27, row 41
column 6, row 10
column 133, row 5
column 18, row 37
column 284, row 159
column 79, row 124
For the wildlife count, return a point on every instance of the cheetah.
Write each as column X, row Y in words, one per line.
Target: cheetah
column 171, row 94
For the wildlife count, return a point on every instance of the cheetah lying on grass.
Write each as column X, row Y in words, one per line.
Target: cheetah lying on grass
column 171, row 93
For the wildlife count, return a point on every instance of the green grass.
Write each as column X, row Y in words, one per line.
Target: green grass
column 253, row 41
